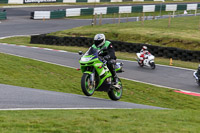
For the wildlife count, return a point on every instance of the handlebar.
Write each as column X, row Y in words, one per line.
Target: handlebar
column 103, row 60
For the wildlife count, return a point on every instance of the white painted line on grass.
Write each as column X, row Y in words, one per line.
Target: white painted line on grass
column 38, row 60
column 14, row 109
column 76, row 53
column 16, row 36
column 120, row 77
column 149, row 83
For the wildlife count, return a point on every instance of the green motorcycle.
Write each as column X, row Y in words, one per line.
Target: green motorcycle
column 97, row 76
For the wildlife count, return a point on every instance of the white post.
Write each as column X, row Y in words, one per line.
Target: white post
column 199, row 24
column 137, row 18
column 173, row 14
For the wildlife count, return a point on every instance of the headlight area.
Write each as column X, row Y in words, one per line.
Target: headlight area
column 85, row 59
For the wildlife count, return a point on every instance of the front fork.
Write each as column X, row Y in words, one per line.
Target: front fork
column 92, row 78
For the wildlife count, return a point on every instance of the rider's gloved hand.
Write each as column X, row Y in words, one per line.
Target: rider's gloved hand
column 107, row 57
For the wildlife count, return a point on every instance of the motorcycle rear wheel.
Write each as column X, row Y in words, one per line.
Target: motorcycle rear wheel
column 85, row 85
column 116, row 93
column 140, row 64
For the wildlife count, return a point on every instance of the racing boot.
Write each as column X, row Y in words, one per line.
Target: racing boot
column 116, row 84
column 115, row 79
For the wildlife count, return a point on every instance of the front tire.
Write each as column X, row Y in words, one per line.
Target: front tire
column 198, row 82
column 153, row 66
column 116, row 93
column 85, row 85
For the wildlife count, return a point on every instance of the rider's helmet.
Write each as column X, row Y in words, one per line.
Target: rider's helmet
column 144, row 48
column 99, row 40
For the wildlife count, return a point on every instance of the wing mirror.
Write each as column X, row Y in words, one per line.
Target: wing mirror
column 80, row 52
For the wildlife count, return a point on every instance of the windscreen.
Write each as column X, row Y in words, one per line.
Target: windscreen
column 91, row 51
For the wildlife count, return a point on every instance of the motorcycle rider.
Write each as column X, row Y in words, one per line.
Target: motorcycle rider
column 108, row 54
column 197, row 73
column 144, row 52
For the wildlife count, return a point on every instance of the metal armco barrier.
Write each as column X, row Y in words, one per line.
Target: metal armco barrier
column 12, row 1
column 68, row 1
column 40, row 1
column 98, row 1
column 3, row 15
column 119, row 9
column 3, row 1
column 41, row 15
column 167, row 52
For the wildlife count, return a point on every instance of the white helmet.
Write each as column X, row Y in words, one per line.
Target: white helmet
column 99, row 40
column 144, row 47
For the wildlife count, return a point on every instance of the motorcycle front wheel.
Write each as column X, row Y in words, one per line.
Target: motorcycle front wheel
column 153, row 66
column 198, row 82
column 87, row 88
column 116, row 93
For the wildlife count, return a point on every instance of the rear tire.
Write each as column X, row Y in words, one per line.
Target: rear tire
column 85, row 86
column 140, row 64
column 115, row 93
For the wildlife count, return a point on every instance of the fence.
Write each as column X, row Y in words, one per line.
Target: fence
column 167, row 52
column 110, row 10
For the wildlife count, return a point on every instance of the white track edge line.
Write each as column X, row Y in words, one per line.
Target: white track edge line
column 164, row 65
column 75, row 53
column 120, row 77
column 39, row 60
column 15, row 109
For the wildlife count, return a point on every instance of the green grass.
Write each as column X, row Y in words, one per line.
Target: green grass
column 120, row 55
column 184, row 116
column 100, row 121
column 34, row 74
column 183, row 33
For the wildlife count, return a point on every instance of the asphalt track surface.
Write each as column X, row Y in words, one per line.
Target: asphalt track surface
column 21, row 25
column 162, row 75
column 12, row 97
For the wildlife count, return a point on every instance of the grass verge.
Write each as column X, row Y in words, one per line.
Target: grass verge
column 34, row 74
column 98, row 121
column 155, row 32
column 184, row 116
column 120, row 55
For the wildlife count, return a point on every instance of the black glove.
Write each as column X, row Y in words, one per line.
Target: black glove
column 107, row 57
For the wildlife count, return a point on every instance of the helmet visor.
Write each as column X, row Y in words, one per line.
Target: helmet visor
column 97, row 42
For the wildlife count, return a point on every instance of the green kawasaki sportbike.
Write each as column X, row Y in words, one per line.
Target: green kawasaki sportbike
column 97, row 76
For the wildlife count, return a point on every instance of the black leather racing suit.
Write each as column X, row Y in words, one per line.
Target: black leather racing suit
column 111, row 59
column 198, row 72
